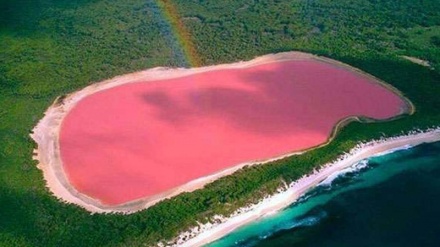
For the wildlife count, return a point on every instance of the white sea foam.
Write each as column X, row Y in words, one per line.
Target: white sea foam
column 304, row 222
column 393, row 150
column 352, row 169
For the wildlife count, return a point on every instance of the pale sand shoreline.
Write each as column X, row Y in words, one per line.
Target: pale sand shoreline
column 208, row 233
column 46, row 133
column 417, row 61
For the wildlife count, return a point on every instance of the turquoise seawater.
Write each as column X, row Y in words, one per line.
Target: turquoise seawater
column 388, row 200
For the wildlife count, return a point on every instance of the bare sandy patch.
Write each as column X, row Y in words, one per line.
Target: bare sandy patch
column 417, row 61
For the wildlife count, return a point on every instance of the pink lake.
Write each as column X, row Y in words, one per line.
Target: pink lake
column 142, row 139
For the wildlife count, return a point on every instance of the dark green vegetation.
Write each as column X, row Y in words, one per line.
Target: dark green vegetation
column 50, row 48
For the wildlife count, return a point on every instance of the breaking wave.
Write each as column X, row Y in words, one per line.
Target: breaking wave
column 356, row 168
column 390, row 151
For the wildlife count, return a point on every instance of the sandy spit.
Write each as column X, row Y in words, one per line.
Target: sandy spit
column 418, row 61
column 46, row 133
column 207, row 233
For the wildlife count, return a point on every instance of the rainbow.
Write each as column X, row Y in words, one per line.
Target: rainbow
column 180, row 32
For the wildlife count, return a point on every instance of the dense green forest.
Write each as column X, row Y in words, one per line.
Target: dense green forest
column 50, row 48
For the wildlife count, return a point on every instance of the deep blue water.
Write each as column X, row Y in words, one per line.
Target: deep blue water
column 389, row 200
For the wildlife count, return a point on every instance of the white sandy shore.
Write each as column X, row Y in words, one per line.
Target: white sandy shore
column 210, row 232
column 418, row 61
column 46, row 133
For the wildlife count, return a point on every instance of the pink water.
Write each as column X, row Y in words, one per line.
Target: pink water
column 141, row 139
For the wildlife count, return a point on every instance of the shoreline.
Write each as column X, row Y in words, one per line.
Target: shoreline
column 46, row 133
column 208, row 233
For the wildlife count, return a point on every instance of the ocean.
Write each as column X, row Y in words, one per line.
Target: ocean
column 388, row 200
